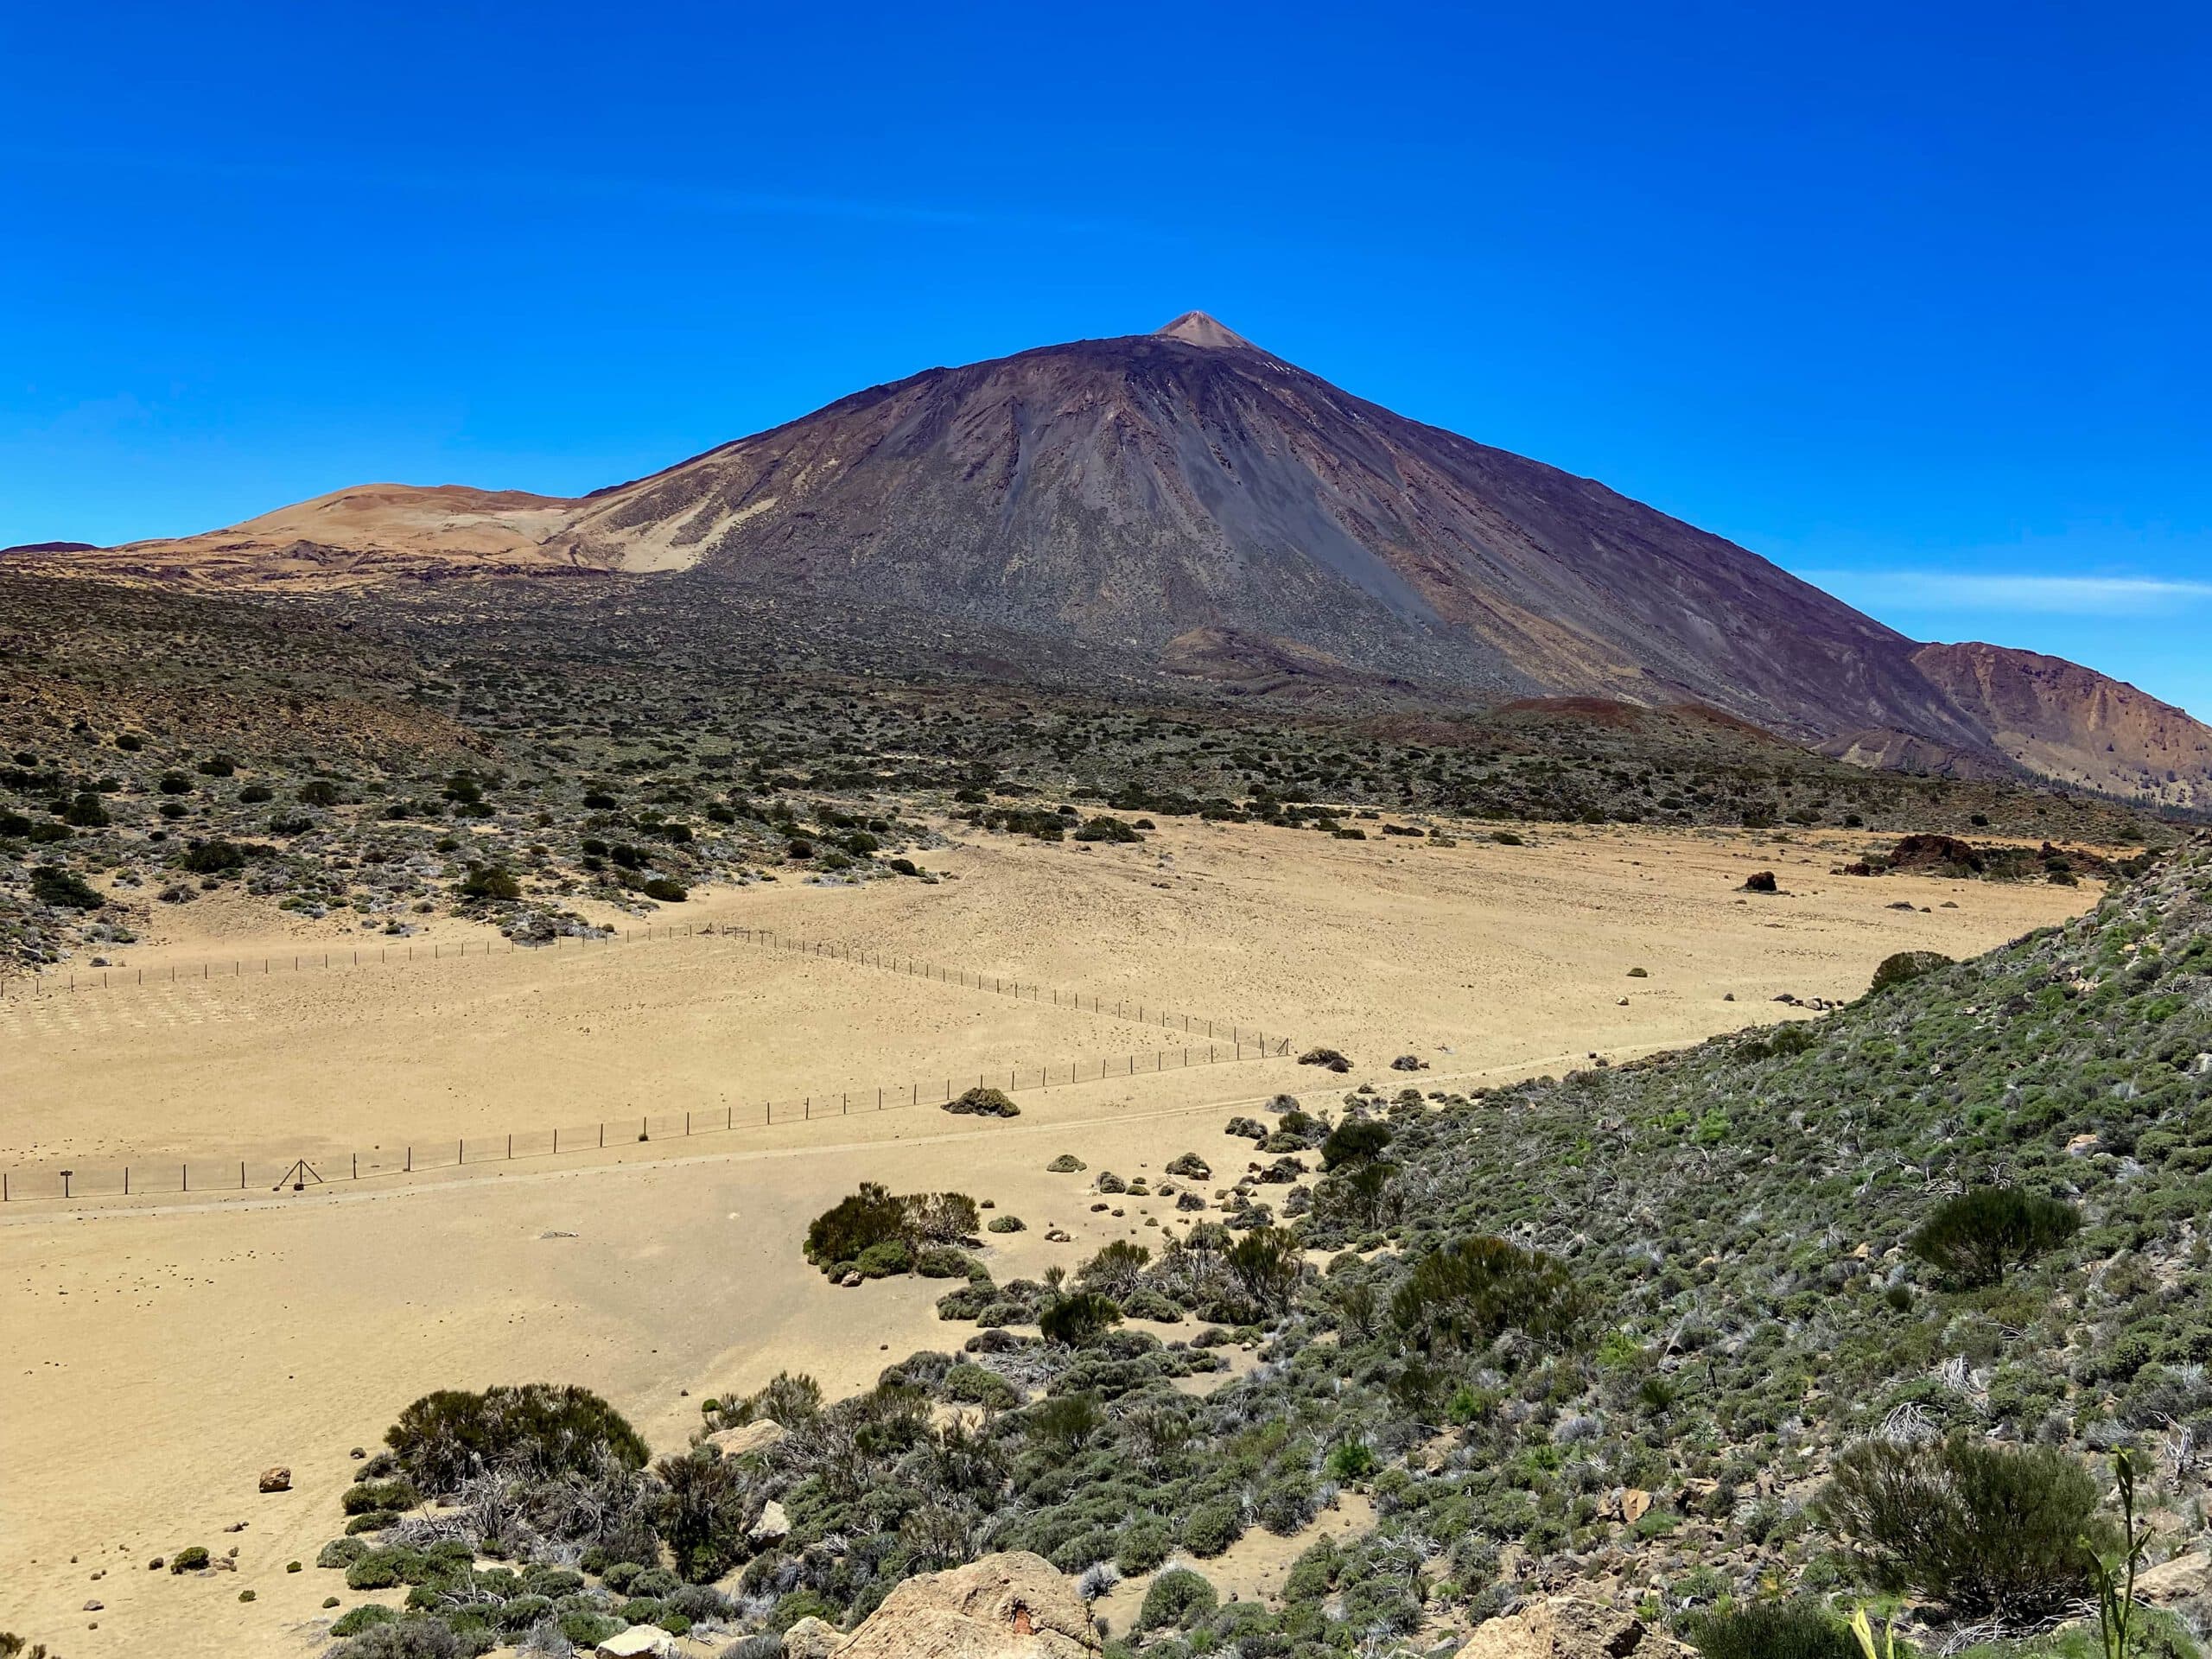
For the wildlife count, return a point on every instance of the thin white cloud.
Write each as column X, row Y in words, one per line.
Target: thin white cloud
column 1950, row 590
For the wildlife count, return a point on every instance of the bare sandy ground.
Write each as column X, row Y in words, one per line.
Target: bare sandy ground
column 160, row 1354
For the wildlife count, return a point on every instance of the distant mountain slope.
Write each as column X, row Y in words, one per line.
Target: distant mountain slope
column 1193, row 503
column 1160, row 488
column 2071, row 723
column 367, row 535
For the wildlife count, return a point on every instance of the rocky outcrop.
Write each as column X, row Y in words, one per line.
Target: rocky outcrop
column 1012, row 1606
column 758, row 1435
column 1570, row 1629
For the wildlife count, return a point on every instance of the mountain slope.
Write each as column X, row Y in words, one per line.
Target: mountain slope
column 369, row 536
column 1138, row 489
column 1192, row 505
column 2073, row 724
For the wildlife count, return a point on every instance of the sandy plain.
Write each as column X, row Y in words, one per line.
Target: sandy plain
column 161, row 1350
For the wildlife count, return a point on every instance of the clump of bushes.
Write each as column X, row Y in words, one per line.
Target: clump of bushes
column 875, row 1232
column 1328, row 1059
column 538, row 1431
column 980, row 1102
column 1066, row 1164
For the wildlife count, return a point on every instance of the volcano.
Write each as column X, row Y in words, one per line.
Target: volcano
column 1192, row 499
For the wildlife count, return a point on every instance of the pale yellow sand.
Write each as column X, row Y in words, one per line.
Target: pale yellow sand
column 160, row 1354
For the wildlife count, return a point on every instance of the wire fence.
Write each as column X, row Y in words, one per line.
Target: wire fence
column 71, row 981
column 304, row 1172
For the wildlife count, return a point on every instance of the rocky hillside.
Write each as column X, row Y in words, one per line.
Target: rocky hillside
column 2060, row 720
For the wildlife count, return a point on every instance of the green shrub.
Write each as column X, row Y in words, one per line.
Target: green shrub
column 1773, row 1630
column 666, row 889
column 1177, row 1599
column 354, row 1620
column 1079, row 1318
column 1905, row 967
column 886, row 1259
column 1066, row 1164
column 1005, row 1224
column 1469, row 1293
column 1357, row 1139
column 212, row 857
column 1107, row 828
column 341, row 1551
column 489, row 882
column 190, row 1559
column 1213, row 1526
column 63, row 889
column 536, row 1430
column 867, row 1217
column 365, row 1496
column 1142, row 1544
column 1979, row 1528
column 1977, row 1235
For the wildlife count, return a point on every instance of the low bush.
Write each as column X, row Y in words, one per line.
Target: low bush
column 1177, row 1599
column 1469, row 1293
column 1983, row 1529
column 489, row 882
column 1079, row 1318
column 980, row 1102
column 63, row 889
column 190, row 1559
column 354, row 1620
column 1773, row 1630
column 1906, row 966
column 1974, row 1237
column 536, row 1430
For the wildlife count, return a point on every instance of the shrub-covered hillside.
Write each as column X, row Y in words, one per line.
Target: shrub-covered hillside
column 1670, row 1335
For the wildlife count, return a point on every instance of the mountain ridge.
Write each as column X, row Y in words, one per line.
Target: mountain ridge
column 1188, row 498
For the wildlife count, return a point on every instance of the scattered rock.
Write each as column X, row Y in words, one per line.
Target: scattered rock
column 1010, row 1607
column 755, row 1436
column 2176, row 1580
column 638, row 1640
column 1570, row 1629
column 277, row 1478
column 1761, row 881
column 773, row 1524
column 1054, row 1236
column 1636, row 1503
column 850, row 1282
column 811, row 1639
column 94, row 1606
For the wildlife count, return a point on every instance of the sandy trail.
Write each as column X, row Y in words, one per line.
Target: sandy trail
column 158, row 1359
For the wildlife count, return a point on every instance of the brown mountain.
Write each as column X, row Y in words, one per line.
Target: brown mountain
column 1191, row 501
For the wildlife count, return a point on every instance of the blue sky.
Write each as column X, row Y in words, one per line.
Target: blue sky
column 1912, row 299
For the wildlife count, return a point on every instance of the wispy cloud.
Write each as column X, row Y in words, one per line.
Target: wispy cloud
column 1951, row 590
